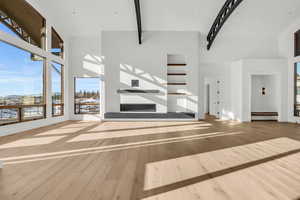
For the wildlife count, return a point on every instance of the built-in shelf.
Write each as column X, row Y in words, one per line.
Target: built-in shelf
column 176, row 74
column 135, row 91
column 176, row 83
column 177, row 93
column 176, row 65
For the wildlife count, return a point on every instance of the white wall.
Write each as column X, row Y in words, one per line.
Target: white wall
column 120, row 49
column 125, row 59
column 236, row 86
column 241, row 85
column 229, row 47
column 210, row 73
column 269, row 101
column 216, row 64
column 86, row 60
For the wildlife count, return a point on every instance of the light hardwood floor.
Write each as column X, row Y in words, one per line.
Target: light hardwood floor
column 209, row 160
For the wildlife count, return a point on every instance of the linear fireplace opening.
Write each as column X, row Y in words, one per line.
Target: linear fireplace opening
column 138, row 107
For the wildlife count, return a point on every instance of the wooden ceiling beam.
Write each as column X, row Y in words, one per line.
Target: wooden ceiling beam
column 138, row 19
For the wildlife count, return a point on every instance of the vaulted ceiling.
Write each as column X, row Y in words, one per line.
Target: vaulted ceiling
column 81, row 17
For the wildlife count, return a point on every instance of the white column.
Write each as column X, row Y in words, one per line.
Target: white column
column 67, row 78
column 48, row 73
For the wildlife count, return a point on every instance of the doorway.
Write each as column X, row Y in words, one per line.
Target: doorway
column 207, row 111
column 264, row 98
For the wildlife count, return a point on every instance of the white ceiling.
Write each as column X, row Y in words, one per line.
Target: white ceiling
column 82, row 17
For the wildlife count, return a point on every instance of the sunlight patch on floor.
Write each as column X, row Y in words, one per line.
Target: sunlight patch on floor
column 59, row 131
column 136, row 132
column 166, row 172
column 115, row 126
column 81, row 124
column 273, row 180
column 110, row 148
column 27, row 142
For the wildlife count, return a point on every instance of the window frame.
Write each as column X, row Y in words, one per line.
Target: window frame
column 22, row 34
column 61, row 54
column 48, row 58
column 62, row 91
column 297, row 43
column 296, row 112
column 20, row 108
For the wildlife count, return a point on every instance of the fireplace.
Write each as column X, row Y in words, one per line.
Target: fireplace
column 138, row 107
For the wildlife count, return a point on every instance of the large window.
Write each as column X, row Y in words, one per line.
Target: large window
column 87, row 96
column 22, row 20
column 5, row 29
column 21, row 85
column 57, row 89
column 297, row 90
column 57, row 44
column 23, row 68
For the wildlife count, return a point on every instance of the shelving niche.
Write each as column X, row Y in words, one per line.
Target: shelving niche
column 177, row 83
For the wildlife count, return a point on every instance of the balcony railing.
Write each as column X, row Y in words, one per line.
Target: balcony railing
column 57, row 110
column 10, row 114
column 87, row 108
column 297, row 110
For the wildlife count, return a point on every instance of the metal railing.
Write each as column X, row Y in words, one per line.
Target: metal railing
column 58, row 109
column 297, row 110
column 87, row 108
column 10, row 114
column 15, row 27
column 225, row 12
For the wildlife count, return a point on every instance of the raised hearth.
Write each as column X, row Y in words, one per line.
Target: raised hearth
column 170, row 115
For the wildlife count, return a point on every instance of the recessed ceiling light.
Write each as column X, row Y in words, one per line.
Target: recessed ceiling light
column 74, row 12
